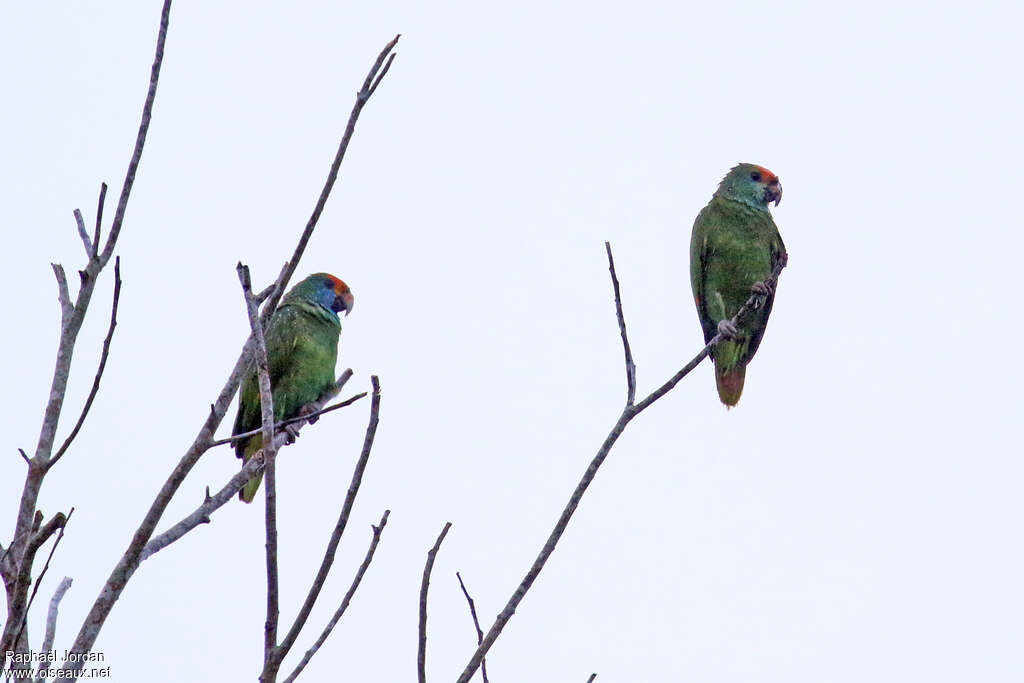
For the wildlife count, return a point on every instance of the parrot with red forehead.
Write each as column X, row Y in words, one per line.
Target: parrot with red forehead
column 302, row 349
column 733, row 250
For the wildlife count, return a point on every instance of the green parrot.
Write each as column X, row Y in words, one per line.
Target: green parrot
column 302, row 349
column 733, row 250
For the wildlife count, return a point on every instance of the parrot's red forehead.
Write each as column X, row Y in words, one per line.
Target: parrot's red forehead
column 337, row 284
column 766, row 175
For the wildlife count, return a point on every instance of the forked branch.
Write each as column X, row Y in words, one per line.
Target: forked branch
column 628, row 413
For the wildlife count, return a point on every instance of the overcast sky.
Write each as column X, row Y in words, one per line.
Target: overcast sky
column 856, row 517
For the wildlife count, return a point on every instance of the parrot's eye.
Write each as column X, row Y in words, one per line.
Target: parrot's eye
column 755, row 176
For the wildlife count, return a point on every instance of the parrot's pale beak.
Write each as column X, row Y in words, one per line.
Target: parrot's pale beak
column 773, row 193
column 344, row 302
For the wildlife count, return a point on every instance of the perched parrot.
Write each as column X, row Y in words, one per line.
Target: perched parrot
column 733, row 250
column 302, row 348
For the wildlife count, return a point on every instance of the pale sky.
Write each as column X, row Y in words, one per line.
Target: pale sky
column 856, row 517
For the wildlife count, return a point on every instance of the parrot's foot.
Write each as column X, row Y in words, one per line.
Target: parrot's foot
column 761, row 291
column 727, row 330
column 308, row 409
column 291, row 433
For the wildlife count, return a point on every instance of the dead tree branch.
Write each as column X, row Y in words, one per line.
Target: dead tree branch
column 269, row 451
column 273, row 663
column 99, row 371
column 377, row 531
column 628, row 413
column 421, row 650
column 129, row 561
column 476, row 624
column 266, row 417
column 630, row 366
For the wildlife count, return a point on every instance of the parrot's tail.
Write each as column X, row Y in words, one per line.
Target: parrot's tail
column 248, row 492
column 730, row 385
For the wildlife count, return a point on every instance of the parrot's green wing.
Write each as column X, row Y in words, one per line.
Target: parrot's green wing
column 302, row 349
column 698, row 260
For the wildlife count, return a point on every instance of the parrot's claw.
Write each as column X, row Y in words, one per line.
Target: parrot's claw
column 727, row 330
column 291, row 433
column 307, row 410
column 761, row 291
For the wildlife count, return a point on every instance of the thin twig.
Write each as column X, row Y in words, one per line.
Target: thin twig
column 630, row 366
column 361, row 98
column 99, row 220
column 628, row 413
column 292, row 420
column 140, row 139
column 591, row 679
column 421, row 650
column 99, row 371
column 24, row 456
column 476, row 624
column 51, row 620
column 377, row 531
column 272, row 666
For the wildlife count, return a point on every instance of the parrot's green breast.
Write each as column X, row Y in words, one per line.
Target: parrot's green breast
column 302, row 350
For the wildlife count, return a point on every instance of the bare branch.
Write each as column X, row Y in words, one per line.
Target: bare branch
column 99, row 371
column 24, row 457
column 273, row 611
column 86, row 242
column 421, row 651
column 630, row 366
column 271, row 667
column 377, row 531
column 140, row 139
column 269, row 451
column 591, row 679
column 476, row 624
column 361, row 98
column 628, row 413
column 99, row 220
column 51, row 620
